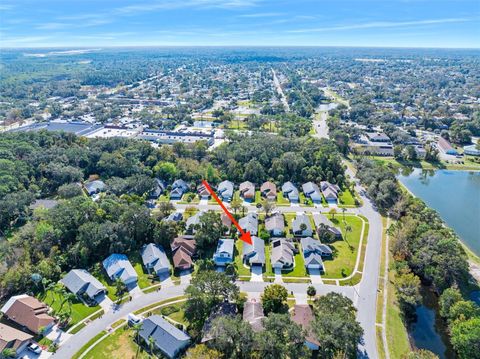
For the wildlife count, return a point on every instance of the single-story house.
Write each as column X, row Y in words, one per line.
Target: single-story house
column 254, row 254
column 170, row 340
column 226, row 221
column 224, row 309
column 323, row 224
column 192, row 222
column 28, row 312
column 158, row 189
column 312, row 191
column 247, row 190
column 283, row 251
column 269, row 191
column 330, row 191
column 302, row 314
column 471, row 150
column 275, row 225
column 253, row 314
column 155, row 259
column 118, row 266
column 224, row 253
column 94, row 187
column 249, row 223
column 225, row 190
column 11, row 338
column 301, row 226
column 81, row 283
column 445, row 147
column 179, row 188
column 183, row 249
column 174, row 217
column 313, row 251
column 203, row 192
column 43, row 203
column 291, row 192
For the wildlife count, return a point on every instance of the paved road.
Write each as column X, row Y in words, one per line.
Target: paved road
column 280, row 91
column 320, row 126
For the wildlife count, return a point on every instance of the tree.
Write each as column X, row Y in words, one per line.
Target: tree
column 281, row 338
column 69, row 190
column 165, row 208
column 209, row 230
column 236, row 204
column 332, row 212
column 9, row 353
column 274, row 299
column 201, row 351
column 268, row 206
column 420, row 354
column 151, row 343
column 343, row 212
column 348, row 229
column 311, row 291
column 136, row 329
column 407, row 286
column 232, row 336
column 166, row 171
column 465, row 338
column 206, row 290
column 449, row 297
column 335, row 325
column 463, row 310
column 120, row 289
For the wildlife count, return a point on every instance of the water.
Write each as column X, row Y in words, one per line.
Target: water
column 455, row 195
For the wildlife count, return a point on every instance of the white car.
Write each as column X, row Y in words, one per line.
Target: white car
column 34, row 348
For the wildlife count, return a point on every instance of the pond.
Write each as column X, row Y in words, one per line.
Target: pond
column 455, row 195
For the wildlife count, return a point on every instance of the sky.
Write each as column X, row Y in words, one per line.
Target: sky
column 378, row 23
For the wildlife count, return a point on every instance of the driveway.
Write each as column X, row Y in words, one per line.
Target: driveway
column 315, row 276
column 106, row 303
column 185, row 277
column 278, row 276
column 135, row 291
column 257, row 274
column 57, row 335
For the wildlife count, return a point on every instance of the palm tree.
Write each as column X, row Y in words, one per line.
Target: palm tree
column 151, row 342
column 311, row 291
column 136, row 329
column 333, row 212
column 348, row 228
column 343, row 211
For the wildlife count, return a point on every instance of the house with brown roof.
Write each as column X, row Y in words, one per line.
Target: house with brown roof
column 183, row 248
column 11, row 338
column 302, row 314
column 247, row 190
column 28, row 312
column 269, row 190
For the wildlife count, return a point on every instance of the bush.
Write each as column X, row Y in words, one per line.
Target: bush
column 169, row 310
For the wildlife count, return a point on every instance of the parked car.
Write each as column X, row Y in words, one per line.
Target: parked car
column 35, row 348
column 133, row 319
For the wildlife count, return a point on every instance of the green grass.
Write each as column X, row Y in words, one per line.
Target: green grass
column 344, row 256
column 89, row 343
column 77, row 328
column 157, row 304
column 302, row 200
column 268, row 271
column 237, row 125
column 282, row 201
column 45, row 342
column 239, row 267
column 118, row 323
column 289, row 217
column 153, row 289
column 299, row 268
column 79, row 310
column 100, row 274
column 176, row 311
column 144, row 279
column 467, row 165
column 346, row 199
column 258, row 197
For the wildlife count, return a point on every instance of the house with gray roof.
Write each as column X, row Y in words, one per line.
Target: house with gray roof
column 324, row 225
column 254, row 254
column 118, row 266
column 291, row 192
column 179, row 188
column 225, row 191
column 224, row 253
column 283, row 252
column 247, row 190
column 301, row 226
column 275, row 225
column 155, row 259
column 330, row 191
column 94, row 187
column 249, row 223
column 193, row 221
column 170, row 340
column 174, row 217
column 83, row 284
column 253, row 314
column 313, row 252
column 158, row 189
column 312, row 191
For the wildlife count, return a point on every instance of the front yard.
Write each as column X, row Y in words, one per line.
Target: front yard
column 238, row 253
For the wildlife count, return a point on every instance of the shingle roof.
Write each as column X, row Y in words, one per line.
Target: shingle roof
column 9, row 334
column 303, row 315
column 168, row 338
column 249, row 223
column 282, row 251
column 79, row 281
column 225, row 189
column 247, row 189
column 94, row 186
column 298, row 221
column 118, row 266
column 255, row 252
column 310, row 187
column 269, row 189
column 253, row 313
column 222, row 310
column 153, row 255
column 225, row 245
column 28, row 312
column 275, row 221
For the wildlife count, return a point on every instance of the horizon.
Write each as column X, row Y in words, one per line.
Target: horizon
column 445, row 24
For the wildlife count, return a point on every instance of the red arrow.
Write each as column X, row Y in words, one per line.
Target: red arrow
column 244, row 236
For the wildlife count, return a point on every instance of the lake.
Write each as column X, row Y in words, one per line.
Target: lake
column 455, row 195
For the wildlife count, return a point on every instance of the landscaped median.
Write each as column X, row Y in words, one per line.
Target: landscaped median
column 119, row 341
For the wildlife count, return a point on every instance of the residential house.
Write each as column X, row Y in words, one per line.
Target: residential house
column 224, row 309
column 225, row 191
column 253, row 314
column 445, row 147
column 81, row 283
column 158, row 189
column 303, row 315
column 224, row 253
column 269, row 191
column 203, row 192
column 249, row 223
column 167, row 338
column 312, row 191
column 254, row 254
column 28, row 312
column 471, row 150
column 301, row 226
column 192, row 222
column 291, row 192
column 330, row 191
column 324, row 225
column 118, row 266
column 174, row 217
column 155, row 259
column 94, row 187
column 183, row 248
column 377, row 137
column 179, row 188
column 11, row 338
column 226, row 221
column 313, row 251
column 275, row 225
column 247, row 190
column 283, row 251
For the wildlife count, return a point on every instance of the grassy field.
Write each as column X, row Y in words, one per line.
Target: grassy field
column 144, row 279
column 79, row 310
column 299, row 268
column 468, row 164
column 268, row 265
column 237, row 125
column 345, row 254
column 281, row 201
column 241, row 270
column 174, row 311
column 346, row 199
column 289, row 217
column 89, row 343
column 302, row 200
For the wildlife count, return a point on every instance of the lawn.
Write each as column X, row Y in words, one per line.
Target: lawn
column 144, row 279
column 299, row 268
column 343, row 262
column 100, row 274
column 174, row 311
column 89, row 343
column 467, row 165
column 268, row 264
column 185, row 197
column 289, row 217
column 79, row 310
column 347, row 198
column 241, row 270
column 119, row 344
column 282, row 201
column 237, row 125
column 302, row 200
column 258, row 197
